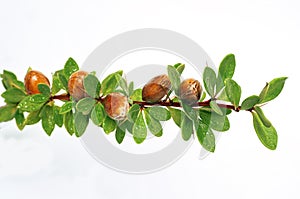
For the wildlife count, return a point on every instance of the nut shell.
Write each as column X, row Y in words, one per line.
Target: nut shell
column 190, row 91
column 156, row 88
column 116, row 106
column 75, row 85
column 33, row 79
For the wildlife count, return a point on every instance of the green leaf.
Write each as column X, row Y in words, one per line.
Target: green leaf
column 226, row 70
column 131, row 88
column 33, row 118
column 69, row 122
column 133, row 113
column 209, row 79
column 56, row 84
column 139, row 129
column 267, row 136
column 250, row 102
column 20, row 120
column 44, row 89
column 223, row 96
column 174, row 78
column 98, row 114
column 186, row 128
column 126, row 125
column 85, row 105
column 63, row 80
column 66, row 107
column 272, row 90
column 206, row 137
column 159, row 113
column 7, row 113
column 262, row 116
column 92, row 86
column 215, row 121
column 203, row 96
column 176, row 114
column 110, row 83
column 120, row 134
column 13, row 95
column 9, row 80
column 70, row 67
column 233, row 91
column 80, row 122
column 179, row 67
column 109, row 125
column 190, row 112
column 124, row 86
column 48, row 122
column 153, row 125
column 137, row 95
column 215, row 107
column 227, row 67
column 58, row 118
column 33, row 102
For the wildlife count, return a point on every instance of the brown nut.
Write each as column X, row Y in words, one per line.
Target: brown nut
column 75, row 85
column 33, row 79
column 116, row 106
column 156, row 88
column 190, row 91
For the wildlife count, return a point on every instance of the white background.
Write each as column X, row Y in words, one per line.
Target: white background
column 264, row 36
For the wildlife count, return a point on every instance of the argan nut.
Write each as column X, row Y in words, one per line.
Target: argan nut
column 156, row 88
column 116, row 105
column 33, row 79
column 190, row 91
column 75, row 85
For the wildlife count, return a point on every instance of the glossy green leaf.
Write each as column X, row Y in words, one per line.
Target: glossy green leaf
column 66, row 107
column 250, row 102
column 85, row 105
column 33, row 118
column 13, row 95
column 153, row 125
column 69, row 122
column 203, row 96
column 137, row 95
column 120, row 134
column 20, row 120
column 33, row 102
column 179, row 67
column 215, row 107
column 44, row 89
column 63, row 80
column 98, row 114
column 233, row 92
column 272, row 90
column 186, row 128
column 264, row 91
column 159, row 113
column 133, row 113
column 7, row 113
column 176, row 115
column 206, row 137
column 109, row 125
column 267, row 136
column 58, row 118
column 130, row 88
column 226, row 70
column 80, row 122
column 70, row 67
column 56, row 84
column 48, row 122
column 9, row 80
column 262, row 116
column 92, row 86
column 209, row 79
column 110, row 83
column 139, row 129
column 215, row 121
column 174, row 78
